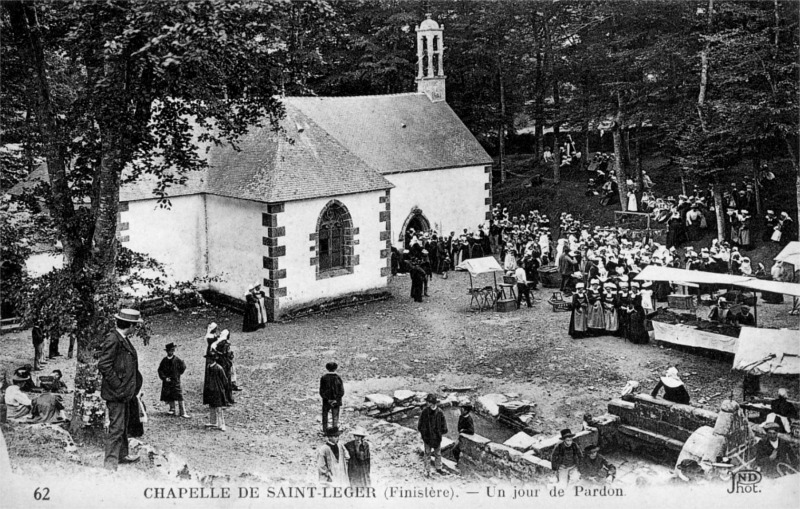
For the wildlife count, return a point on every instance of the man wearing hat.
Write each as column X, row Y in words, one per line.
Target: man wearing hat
column 358, row 466
column 119, row 365
column 783, row 412
column 466, row 425
column 170, row 371
column 432, row 427
column 595, row 468
column 566, row 457
column 332, row 459
column 774, row 455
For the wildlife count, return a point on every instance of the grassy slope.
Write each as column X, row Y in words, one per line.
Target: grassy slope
column 569, row 196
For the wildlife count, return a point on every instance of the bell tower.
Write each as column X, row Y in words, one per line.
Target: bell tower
column 430, row 69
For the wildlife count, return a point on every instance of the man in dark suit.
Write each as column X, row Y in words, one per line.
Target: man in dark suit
column 119, row 365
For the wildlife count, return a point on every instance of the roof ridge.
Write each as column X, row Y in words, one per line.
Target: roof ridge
column 350, row 96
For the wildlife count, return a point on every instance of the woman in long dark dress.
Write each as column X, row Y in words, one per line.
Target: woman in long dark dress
column 214, row 393
column 225, row 359
column 637, row 331
column 417, row 281
column 610, row 312
column 251, row 319
column 595, row 320
column 623, row 303
column 578, row 318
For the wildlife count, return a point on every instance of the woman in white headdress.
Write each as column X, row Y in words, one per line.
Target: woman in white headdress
column 674, row 390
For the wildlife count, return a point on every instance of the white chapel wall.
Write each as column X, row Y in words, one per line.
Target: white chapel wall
column 453, row 199
column 300, row 220
column 235, row 248
column 174, row 236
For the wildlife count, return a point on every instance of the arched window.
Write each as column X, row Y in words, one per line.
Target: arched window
column 334, row 239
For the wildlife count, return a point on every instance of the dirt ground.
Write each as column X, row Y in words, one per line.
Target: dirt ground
column 273, row 429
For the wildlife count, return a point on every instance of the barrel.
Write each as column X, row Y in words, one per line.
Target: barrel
column 550, row 276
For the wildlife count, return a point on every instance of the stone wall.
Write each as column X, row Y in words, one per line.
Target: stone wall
column 481, row 455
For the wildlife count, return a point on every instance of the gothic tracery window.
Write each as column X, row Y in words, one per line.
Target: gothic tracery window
column 332, row 224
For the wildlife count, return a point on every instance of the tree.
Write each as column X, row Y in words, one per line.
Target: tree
column 150, row 77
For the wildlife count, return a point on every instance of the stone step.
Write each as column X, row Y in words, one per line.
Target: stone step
column 651, row 437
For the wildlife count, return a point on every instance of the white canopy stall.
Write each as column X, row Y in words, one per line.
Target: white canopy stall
column 482, row 297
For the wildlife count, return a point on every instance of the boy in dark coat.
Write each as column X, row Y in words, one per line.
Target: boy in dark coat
column 215, row 393
column 565, row 458
column 432, row 427
column 170, row 371
column 331, row 390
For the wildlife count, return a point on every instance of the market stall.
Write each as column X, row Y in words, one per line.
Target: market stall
column 691, row 331
column 482, row 297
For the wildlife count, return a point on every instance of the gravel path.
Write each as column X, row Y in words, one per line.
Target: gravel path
column 381, row 347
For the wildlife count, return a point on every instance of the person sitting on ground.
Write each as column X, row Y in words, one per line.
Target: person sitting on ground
column 594, row 468
column 773, row 454
column 783, row 412
column 17, row 402
column 746, row 317
column 465, row 425
column 23, row 379
column 674, row 390
column 47, row 408
column 57, row 386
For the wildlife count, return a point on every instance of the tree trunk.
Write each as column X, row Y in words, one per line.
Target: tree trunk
column 701, row 97
column 683, row 181
column 556, row 154
column 626, row 136
column 556, row 132
column 638, row 163
column 25, row 27
column 585, row 155
column 756, row 169
column 618, row 170
column 718, row 209
column 501, row 129
column 776, row 40
column 539, row 148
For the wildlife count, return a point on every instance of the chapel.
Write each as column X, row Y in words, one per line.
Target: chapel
column 311, row 213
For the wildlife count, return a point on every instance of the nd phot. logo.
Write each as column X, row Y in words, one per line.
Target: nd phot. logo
column 745, row 481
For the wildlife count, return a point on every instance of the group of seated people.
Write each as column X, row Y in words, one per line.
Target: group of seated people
column 35, row 400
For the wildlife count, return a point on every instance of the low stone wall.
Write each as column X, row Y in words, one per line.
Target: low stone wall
column 656, row 425
column 481, row 455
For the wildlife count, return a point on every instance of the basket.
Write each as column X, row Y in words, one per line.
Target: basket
column 682, row 301
column 550, row 277
column 558, row 303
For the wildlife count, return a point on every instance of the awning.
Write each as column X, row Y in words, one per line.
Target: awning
column 762, row 285
column 763, row 351
column 790, row 254
column 659, row 273
column 686, row 335
column 483, row 265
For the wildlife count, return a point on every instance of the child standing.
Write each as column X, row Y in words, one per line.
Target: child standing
column 170, row 371
column 215, row 394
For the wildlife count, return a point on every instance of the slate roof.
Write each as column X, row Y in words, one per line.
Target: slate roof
column 372, row 127
column 329, row 146
column 300, row 163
